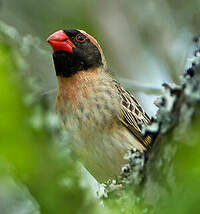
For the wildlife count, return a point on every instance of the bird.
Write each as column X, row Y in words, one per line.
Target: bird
column 101, row 117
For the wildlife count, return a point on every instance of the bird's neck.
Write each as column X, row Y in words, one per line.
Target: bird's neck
column 76, row 89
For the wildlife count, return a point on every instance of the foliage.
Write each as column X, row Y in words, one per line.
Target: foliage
column 32, row 155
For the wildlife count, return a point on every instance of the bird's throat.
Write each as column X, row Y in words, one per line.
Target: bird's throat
column 67, row 64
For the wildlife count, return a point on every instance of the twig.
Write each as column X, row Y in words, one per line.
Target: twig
column 134, row 86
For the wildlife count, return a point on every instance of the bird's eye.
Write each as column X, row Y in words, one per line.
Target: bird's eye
column 80, row 38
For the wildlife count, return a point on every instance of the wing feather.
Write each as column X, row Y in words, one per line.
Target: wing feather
column 133, row 115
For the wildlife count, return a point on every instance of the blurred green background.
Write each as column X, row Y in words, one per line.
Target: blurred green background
column 146, row 42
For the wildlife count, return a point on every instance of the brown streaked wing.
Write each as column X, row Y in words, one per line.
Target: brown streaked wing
column 133, row 115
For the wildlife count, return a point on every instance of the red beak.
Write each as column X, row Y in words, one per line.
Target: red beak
column 60, row 42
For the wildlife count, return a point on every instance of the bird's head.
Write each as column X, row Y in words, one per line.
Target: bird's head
column 74, row 51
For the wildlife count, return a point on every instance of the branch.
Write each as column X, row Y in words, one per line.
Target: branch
column 167, row 180
column 134, row 86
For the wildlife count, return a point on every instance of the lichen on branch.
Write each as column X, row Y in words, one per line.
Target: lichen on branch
column 170, row 170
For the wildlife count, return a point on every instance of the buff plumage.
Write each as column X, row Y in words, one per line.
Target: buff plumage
column 103, row 119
